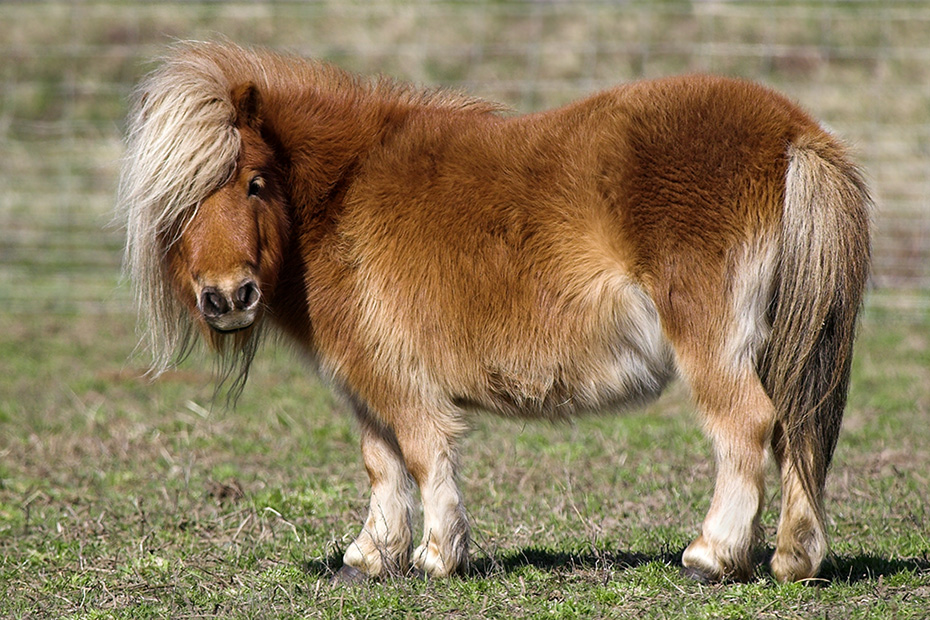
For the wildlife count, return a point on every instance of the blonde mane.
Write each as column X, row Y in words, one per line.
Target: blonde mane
column 182, row 145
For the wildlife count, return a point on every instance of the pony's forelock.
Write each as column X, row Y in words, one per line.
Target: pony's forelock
column 181, row 146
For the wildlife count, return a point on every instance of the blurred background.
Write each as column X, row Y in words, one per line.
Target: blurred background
column 67, row 68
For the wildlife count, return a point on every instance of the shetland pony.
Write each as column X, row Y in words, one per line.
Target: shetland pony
column 433, row 255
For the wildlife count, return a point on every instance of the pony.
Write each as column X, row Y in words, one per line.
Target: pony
column 433, row 255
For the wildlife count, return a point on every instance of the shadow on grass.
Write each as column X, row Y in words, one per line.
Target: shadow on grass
column 868, row 567
column 838, row 569
column 325, row 568
column 548, row 560
column 487, row 566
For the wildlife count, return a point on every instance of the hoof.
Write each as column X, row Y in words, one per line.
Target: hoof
column 348, row 575
column 699, row 575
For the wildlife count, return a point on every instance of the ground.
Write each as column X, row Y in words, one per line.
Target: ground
column 121, row 497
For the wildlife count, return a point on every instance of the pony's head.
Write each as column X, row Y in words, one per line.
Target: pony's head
column 205, row 210
column 224, row 257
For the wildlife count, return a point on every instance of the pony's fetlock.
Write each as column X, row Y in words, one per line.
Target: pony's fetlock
column 375, row 560
column 436, row 562
column 798, row 557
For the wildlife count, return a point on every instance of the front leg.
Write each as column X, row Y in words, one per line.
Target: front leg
column 429, row 451
column 384, row 544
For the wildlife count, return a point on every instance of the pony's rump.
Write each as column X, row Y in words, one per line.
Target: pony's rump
column 433, row 255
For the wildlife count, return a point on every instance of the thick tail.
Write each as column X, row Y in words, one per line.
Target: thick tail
column 824, row 265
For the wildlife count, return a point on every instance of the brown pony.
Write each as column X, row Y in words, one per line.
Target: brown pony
column 434, row 256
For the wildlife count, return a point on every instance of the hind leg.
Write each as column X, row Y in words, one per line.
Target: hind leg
column 384, row 544
column 739, row 418
column 801, row 543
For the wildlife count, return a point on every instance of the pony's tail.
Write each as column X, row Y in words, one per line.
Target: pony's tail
column 821, row 277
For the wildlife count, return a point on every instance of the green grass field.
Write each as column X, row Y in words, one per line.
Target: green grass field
column 129, row 499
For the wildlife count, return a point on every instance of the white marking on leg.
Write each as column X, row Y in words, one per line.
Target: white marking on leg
column 444, row 548
column 741, row 436
column 386, row 538
column 801, row 543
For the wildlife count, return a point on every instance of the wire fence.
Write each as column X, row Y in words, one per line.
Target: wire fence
column 66, row 68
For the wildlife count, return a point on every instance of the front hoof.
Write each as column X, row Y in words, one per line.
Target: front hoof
column 348, row 575
column 714, row 563
column 698, row 574
column 700, row 563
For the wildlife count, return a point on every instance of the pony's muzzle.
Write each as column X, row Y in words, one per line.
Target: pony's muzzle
column 230, row 308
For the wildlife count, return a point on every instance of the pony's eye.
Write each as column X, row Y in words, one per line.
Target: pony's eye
column 256, row 185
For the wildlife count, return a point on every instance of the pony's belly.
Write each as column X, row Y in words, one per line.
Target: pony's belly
column 620, row 361
column 624, row 381
column 630, row 379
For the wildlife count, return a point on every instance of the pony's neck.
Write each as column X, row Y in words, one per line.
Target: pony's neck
column 321, row 141
column 323, row 136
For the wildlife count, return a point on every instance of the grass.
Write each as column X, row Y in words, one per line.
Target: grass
column 121, row 498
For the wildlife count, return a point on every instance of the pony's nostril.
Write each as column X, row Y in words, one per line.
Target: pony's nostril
column 247, row 295
column 212, row 303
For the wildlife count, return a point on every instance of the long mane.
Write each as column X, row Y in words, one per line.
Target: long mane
column 182, row 145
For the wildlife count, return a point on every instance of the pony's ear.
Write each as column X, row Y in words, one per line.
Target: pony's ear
column 248, row 103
